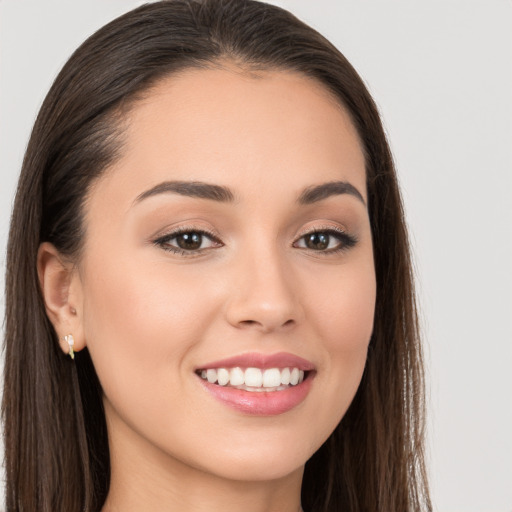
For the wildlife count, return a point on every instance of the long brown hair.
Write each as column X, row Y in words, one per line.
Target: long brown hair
column 57, row 456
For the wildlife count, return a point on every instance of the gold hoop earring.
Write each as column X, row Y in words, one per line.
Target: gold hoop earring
column 71, row 342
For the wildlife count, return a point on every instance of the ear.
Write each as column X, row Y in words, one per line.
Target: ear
column 62, row 293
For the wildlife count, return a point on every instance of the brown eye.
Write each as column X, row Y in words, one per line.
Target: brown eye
column 188, row 242
column 191, row 241
column 328, row 241
column 317, row 241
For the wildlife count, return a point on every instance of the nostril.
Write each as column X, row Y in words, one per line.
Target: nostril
column 263, row 325
column 248, row 323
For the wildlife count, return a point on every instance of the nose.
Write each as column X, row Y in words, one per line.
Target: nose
column 263, row 296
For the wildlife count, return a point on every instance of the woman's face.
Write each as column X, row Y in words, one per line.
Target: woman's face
column 232, row 233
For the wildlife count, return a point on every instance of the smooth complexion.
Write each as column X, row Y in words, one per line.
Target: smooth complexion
column 260, row 281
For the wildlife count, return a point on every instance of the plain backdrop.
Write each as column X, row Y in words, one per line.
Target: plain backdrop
column 441, row 73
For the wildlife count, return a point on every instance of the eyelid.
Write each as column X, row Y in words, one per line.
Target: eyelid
column 186, row 226
column 346, row 240
column 178, row 230
column 161, row 239
column 322, row 228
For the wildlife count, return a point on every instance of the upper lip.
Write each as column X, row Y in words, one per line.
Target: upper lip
column 263, row 361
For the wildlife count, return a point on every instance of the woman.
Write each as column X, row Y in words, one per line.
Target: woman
column 209, row 293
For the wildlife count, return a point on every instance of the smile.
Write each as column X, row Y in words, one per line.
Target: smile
column 254, row 379
column 258, row 384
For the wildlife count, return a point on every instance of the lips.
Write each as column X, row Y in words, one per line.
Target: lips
column 263, row 361
column 259, row 384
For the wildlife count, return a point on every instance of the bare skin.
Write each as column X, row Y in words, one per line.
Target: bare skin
column 270, row 273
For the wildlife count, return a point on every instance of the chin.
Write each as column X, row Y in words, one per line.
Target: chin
column 260, row 460
column 259, row 469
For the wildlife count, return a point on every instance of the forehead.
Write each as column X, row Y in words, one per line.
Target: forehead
column 224, row 124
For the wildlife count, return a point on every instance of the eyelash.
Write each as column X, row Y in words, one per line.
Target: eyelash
column 345, row 240
column 163, row 241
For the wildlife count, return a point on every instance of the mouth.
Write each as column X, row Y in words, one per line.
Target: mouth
column 254, row 380
column 258, row 384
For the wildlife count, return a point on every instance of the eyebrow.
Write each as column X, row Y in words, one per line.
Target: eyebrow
column 190, row 189
column 223, row 194
column 319, row 192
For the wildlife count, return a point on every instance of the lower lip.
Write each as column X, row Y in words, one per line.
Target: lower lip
column 261, row 403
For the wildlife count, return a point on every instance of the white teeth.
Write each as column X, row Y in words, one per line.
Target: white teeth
column 222, row 376
column 271, row 378
column 254, row 379
column 236, row 377
column 285, row 376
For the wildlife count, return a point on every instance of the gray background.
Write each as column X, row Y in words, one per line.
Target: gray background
column 441, row 74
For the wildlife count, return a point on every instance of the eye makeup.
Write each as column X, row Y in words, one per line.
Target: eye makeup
column 321, row 241
column 192, row 241
column 188, row 241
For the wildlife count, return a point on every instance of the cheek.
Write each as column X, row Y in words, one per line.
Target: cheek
column 346, row 306
column 141, row 320
column 344, row 323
